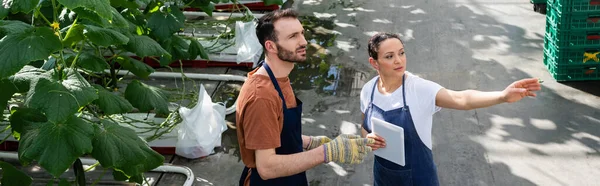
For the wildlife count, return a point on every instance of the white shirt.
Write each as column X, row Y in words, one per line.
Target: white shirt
column 420, row 97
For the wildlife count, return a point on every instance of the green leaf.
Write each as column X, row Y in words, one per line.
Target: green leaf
column 10, row 27
column 8, row 89
column 23, row 118
column 175, row 11
column 64, row 182
column 17, row 50
column 111, row 103
column 4, row 12
column 144, row 46
column 135, row 66
column 119, row 175
column 163, row 25
column 92, row 62
column 24, row 6
column 118, row 20
column 53, row 99
column 91, row 16
column 102, row 7
column 79, row 87
column 124, row 3
column 177, row 47
column 208, row 9
column 273, row 2
column 56, row 145
column 11, row 176
column 196, row 49
column 74, row 35
column 119, row 147
column 146, row 98
column 103, row 36
column 22, row 79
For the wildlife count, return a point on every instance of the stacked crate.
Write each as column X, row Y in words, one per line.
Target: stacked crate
column 572, row 41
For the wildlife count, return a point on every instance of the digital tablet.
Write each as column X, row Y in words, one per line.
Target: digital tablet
column 394, row 140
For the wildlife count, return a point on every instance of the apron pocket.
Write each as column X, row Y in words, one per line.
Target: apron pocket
column 384, row 176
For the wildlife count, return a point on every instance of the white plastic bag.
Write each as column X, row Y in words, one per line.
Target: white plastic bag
column 246, row 42
column 201, row 128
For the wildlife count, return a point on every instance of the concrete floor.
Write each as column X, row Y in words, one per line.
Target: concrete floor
column 553, row 139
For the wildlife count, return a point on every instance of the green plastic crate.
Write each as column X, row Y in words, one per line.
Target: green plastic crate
column 572, row 72
column 573, row 22
column 537, row 1
column 575, row 6
column 573, row 39
column 569, row 56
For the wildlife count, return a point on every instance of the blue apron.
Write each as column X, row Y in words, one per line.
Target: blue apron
column 291, row 143
column 419, row 168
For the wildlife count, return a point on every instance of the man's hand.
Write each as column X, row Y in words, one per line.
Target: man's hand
column 379, row 141
column 347, row 148
column 520, row 89
column 316, row 141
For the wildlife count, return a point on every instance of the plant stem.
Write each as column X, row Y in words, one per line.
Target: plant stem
column 54, row 9
column 79, row 174
column 93, row 166
column 99, row 178
column 92, row 111
column 43, row 17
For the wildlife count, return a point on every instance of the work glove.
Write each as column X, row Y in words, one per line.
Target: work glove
column 347, row 148
column 316, row 141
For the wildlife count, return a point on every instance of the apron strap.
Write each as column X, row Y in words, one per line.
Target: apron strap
column 274, row 81
column 403, row 92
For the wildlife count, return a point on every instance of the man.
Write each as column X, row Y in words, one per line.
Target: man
column 268, row 114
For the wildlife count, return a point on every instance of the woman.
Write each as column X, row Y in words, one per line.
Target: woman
column 406, row 100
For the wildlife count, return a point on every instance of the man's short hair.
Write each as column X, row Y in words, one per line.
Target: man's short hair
column 265, row 30
column 377, row 39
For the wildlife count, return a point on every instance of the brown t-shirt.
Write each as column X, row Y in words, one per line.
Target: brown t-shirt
column 259, row 114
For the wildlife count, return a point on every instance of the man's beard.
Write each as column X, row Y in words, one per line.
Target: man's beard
column 290, row 56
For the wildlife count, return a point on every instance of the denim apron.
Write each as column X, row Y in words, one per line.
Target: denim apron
column 291, row 143
column 419, row 168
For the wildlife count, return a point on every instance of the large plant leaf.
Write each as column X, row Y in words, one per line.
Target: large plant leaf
column 8, row 89
column 144, row 46
column 17, row 50
column 124, row 3
column 22, row 79
column 79, row 87
column 120, row 148
column 135, row 66
column 56, row 145
column 53, row 99
column 111, row 103
column 196, row 49
column 103, row 36
column 12, row 176
column 91, row 16
column 92, row 62
column 102, row 7
column 23, row 118
column 118, row 20
column 177, row 47
column 11, row 27
column 24, row 6
column 74, row 35
column 146, row 98
column 4, row 12
column 208, row 9
column 165, row 24
column 273, row 2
